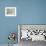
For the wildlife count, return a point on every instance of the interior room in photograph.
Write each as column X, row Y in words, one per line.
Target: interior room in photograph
column 32, row 32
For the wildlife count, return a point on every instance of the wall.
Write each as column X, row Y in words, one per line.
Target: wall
column 33, row 27
column 28, row 12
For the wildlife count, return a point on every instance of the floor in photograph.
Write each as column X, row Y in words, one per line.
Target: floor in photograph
column 34, row 43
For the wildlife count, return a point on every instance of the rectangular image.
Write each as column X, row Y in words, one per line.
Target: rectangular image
column 32, row 32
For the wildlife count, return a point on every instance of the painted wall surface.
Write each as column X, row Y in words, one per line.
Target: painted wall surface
column 28, row 12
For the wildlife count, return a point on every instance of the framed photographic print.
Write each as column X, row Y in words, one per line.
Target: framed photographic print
column 10, row 11
column 31, row 32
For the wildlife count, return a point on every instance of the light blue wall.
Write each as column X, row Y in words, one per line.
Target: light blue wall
column 28, row 12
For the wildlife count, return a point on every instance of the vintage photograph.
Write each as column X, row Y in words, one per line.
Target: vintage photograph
column 31, row 33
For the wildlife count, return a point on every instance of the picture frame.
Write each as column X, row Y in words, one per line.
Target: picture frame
column 10, row 11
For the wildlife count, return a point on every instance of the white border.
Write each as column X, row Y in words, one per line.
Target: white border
column 18, row 33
